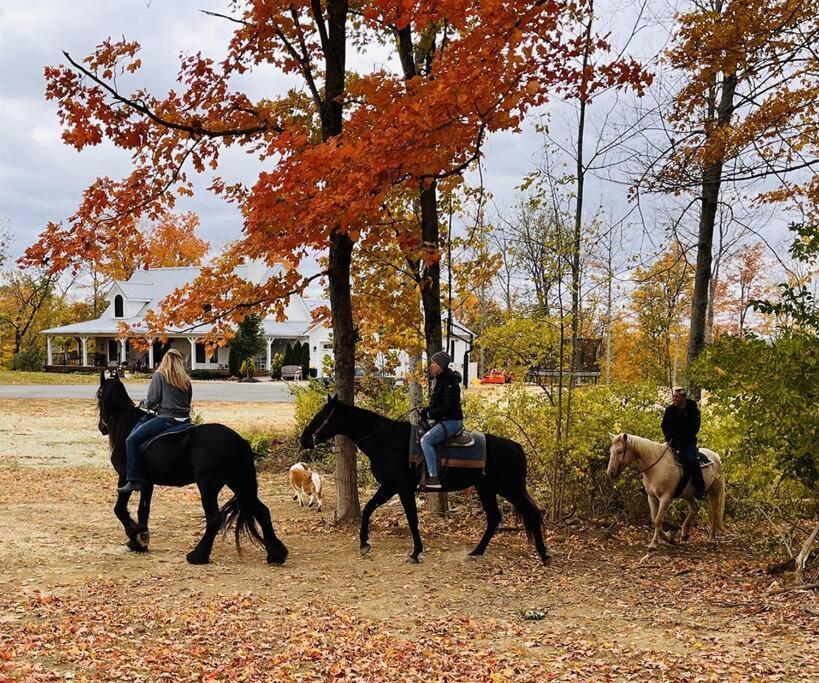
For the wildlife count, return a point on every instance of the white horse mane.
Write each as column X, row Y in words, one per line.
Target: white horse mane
column 644, row 446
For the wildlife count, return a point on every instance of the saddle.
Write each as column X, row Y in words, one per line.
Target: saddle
column 463, row 439
column 464, row 449
column 171, row 431
column 703, row 459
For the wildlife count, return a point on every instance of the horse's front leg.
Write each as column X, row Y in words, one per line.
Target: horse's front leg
column 144, row 514
column 659, row 518
column 128, row 523
column 411, row 511
column 381, row 496
column 689, row 518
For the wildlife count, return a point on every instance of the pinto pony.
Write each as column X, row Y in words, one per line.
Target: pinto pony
column 306, row 484
column 212, row 456
column 661, row 476
column 386, row 443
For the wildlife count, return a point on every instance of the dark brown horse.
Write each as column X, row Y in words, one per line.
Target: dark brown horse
column 386, row 443
column 212, row 456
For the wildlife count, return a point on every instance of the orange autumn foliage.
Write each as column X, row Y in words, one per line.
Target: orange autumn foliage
column 495, row 62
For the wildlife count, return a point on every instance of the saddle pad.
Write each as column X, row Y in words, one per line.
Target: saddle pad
column 176, row 429
column 473, row 456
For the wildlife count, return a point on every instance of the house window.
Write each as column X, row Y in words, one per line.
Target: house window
column 118, row 306
column 200, row 354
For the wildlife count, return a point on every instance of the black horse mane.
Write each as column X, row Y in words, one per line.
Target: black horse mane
column 122, row 415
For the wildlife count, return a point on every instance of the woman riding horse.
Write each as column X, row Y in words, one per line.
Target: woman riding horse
column 445, row 409
column 169, row 396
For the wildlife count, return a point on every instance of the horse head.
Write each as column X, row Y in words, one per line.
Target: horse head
column 112, row 401
column 620, row 455
column 323, row 426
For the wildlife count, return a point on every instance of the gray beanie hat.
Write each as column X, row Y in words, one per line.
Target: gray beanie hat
column 442, row 358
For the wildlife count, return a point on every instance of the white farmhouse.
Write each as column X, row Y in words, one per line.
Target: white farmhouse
column 129, row 301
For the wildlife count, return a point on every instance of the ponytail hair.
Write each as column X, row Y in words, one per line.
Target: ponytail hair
column 173, row 368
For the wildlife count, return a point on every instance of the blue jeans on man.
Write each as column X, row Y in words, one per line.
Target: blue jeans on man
column 439, row 433
column 144, row 430
column 689, row 455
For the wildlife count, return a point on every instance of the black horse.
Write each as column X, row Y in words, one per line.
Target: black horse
column 211, row 455
column 386, row 443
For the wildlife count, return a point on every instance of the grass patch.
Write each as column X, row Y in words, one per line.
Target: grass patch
column 30, row 377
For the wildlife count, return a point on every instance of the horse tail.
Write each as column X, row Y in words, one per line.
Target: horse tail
column 717, row 500
column 239, row 513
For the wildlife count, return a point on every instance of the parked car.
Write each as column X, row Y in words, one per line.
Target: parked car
column 496, row 376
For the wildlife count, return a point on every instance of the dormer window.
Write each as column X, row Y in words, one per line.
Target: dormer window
column 118, row 306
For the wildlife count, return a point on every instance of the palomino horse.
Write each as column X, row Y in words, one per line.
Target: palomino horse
column 661, row 475
column 212, row 456
column 386, row 443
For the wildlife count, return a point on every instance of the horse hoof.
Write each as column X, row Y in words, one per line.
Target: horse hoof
column 411, row 560
column 364, row 549
column 652, row 546
column 193, row 558
column 473, row 556
column 135, row 546
column 546, row 560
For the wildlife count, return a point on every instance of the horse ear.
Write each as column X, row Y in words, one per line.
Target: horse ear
column 612, row 436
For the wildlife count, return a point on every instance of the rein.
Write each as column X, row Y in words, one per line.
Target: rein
column 665, row 450
column 381, row 429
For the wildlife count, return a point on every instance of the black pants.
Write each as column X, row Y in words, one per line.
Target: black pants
column 691, row 464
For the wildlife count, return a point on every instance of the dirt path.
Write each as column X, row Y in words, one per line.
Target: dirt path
column 71, row 592
column 76, row 604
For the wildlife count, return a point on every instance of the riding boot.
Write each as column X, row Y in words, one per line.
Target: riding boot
column 130, row 487
column 433, row 483
column 697, row 481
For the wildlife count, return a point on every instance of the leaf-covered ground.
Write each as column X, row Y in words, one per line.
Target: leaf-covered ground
column 76, row 604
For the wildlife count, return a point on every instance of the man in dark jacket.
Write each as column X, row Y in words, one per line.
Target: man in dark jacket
column 681, row 423
column 444, row 409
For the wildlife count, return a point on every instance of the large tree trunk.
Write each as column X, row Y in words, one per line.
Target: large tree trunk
column 431, row 273
column 338, row 267
column 711, row 181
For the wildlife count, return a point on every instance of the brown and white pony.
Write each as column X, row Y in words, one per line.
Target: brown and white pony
column 661, row 475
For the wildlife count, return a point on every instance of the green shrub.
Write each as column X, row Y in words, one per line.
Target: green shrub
column 206, row 374
column 31, row 357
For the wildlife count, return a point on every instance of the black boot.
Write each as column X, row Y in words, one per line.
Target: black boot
column 433, row 483
column 130, row 487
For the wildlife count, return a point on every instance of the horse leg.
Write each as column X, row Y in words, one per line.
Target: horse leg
column 210, row 502
column 128, row 523
column 381, row 496
column 659, row 518
column 653, row 502
column 407, row 496
column 689, row 518
column 533, row 521
column 144, row 514
column 489, row 501
column 276, row 552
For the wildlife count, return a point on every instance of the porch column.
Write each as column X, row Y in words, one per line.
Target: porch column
column 84, row 341
column 192, row 340
column 269, row 341
column 48, row 345
column 123, row 356
column 151, row 354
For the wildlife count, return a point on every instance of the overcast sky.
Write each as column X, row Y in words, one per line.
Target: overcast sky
column 41, row 179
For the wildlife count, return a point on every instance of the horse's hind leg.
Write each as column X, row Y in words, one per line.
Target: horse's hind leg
column 210, row 502
column 533, row 521
column 276, row 552
column 489, row 501
column 379, row 498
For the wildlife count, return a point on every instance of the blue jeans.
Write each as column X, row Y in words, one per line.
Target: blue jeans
column 438, row 434
column 144, row 430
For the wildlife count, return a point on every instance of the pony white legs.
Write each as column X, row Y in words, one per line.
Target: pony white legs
column 689, row 518
column 716, row 503
column 659, row 518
